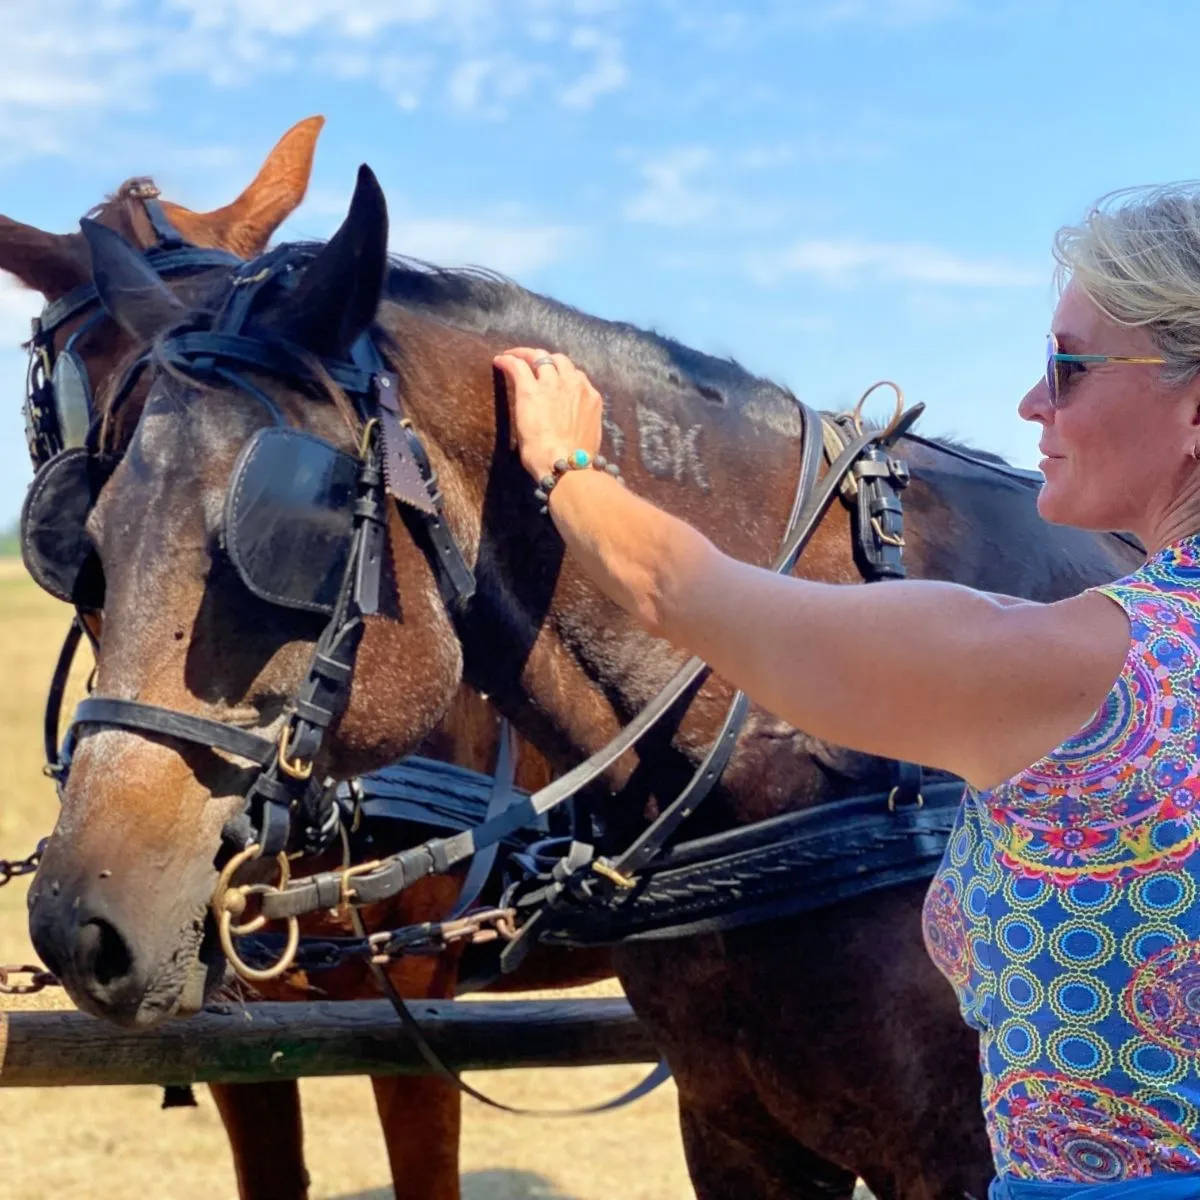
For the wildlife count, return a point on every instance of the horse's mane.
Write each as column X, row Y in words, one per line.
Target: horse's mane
column 483, row 301
column 475, row 299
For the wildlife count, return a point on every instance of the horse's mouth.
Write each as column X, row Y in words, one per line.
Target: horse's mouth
column 206, row 973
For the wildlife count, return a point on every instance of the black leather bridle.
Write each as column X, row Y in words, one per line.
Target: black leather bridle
column 169, row 256
column 286, row 784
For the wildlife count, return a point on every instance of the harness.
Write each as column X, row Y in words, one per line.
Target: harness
column 304, row 526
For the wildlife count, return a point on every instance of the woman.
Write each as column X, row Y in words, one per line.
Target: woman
column 1070, row 883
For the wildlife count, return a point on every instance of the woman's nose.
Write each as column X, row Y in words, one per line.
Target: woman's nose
column 1035, row 404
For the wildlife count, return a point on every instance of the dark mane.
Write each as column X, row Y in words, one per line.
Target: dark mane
column 955, row 444
column 485, row 302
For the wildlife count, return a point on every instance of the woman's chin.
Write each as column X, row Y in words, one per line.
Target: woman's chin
column 1054, row 504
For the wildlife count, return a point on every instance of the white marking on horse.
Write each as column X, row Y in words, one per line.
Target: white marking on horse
column 615, row 436
column 670, row 450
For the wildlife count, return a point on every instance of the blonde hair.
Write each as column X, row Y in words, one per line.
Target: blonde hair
column 1136, row 256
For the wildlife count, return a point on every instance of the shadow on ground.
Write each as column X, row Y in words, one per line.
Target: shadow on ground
column 488, row 1185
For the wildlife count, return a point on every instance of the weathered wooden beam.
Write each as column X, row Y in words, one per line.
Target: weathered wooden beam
column 254, row 1042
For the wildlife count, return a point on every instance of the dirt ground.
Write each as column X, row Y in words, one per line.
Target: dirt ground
column 77, row 1143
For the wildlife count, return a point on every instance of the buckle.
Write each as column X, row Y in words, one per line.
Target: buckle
column 295, row 768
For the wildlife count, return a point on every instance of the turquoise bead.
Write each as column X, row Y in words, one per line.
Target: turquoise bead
column 580, row 459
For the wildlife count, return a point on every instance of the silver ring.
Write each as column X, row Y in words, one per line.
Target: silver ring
column 544, row 361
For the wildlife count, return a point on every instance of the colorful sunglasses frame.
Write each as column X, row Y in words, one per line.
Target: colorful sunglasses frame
column 1054, row 356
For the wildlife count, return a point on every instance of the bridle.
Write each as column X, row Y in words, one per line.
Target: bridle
column 390, row 453
column 55, row 422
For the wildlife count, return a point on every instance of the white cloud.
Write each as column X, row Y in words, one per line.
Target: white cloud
column 608, row 73
column 510, row 248
column 671, row 195
column 678, row 194
column 849, row 261
column 67, row 64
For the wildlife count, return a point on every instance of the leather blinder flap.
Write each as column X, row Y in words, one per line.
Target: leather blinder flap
column 289, row 517
column 55, row 545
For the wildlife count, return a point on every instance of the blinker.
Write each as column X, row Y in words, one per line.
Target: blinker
column 289, row 518
column 55, row 545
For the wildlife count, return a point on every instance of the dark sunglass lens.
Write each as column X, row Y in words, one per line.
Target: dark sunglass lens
column 72, row 399
column 1052, row 378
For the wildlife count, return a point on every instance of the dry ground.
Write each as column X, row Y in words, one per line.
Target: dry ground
column 77, row 1143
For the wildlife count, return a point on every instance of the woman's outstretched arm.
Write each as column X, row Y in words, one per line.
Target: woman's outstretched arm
column 928, row 671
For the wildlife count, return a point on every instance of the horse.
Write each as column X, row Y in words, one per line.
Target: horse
column 807, row 1049
column 420, row 1117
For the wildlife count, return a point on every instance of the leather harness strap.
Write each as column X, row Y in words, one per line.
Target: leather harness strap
column 394, row 874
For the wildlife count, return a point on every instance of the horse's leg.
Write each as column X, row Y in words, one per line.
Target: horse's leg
column 732, row 1155
column 420, row 1116
column 837, row 1025
column 266, row 1136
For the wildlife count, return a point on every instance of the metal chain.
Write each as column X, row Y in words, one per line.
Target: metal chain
column 39, row 978
column 431, row 937
column 10, row 870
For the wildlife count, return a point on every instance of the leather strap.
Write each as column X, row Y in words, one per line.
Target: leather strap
column 166, row 722
column 503, row 794
column 440, row 854
column 165, row 262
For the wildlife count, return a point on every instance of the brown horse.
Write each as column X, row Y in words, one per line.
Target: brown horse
column 420, row 1117
column 806, row 1049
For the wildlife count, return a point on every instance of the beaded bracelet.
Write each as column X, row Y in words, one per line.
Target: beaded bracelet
column 577, row 460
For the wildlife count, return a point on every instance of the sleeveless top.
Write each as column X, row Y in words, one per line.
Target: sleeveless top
column 1065, row 915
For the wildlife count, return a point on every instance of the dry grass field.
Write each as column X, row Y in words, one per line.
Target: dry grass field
column 77, row 1143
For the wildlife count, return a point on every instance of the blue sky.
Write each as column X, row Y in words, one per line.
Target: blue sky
column 831, row 191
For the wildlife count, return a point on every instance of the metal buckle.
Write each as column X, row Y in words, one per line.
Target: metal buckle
column 294, row 767
column 917, row 804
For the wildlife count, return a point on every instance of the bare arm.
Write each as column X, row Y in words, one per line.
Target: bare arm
column 932, row 672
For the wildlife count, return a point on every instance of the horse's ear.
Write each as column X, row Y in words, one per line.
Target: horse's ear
column 245, row 226
column 129, row 288
column 50, row 263
column 339, row 292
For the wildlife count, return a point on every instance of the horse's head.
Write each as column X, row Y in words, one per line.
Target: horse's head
column 119, row 909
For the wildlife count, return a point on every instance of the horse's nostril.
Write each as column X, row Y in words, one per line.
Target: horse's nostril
column 104, row 953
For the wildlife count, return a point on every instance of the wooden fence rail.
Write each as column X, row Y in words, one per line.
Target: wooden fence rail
column 255, row 1042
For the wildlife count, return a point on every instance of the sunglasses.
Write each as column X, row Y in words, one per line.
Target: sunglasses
column 1062, row 368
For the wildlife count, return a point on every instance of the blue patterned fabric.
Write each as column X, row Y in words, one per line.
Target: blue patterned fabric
column 1159, row 1187
column 1065, row 916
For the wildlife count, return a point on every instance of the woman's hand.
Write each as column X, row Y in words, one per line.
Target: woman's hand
column 554, row 407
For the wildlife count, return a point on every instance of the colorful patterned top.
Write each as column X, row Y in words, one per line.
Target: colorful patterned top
column 1065, row 915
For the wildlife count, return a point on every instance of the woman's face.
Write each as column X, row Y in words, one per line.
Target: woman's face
column 1117, row 449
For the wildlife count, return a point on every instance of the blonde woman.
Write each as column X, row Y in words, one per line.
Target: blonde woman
column 1071, row 881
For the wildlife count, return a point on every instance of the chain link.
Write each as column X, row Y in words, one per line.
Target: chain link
column 10, row 870
column 10, row 973
column 39, row 978
column 434, row 937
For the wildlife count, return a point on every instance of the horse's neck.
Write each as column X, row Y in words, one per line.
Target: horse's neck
column 570, row 668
